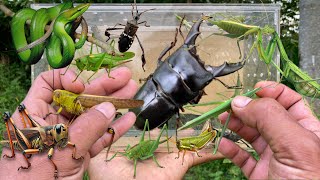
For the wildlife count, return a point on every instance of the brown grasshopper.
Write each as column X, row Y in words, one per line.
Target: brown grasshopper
column 35, row 139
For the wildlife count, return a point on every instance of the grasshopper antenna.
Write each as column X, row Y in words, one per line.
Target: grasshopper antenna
column 52, row 88
column 52, row 78
column 48, row 89
column 70, row 122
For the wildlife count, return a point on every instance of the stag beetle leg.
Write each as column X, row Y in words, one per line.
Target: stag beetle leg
column 173, row 43
column 227, row 86
column 167, row 49
column 181, row 22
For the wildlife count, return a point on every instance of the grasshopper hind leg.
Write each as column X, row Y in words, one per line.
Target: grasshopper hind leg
column 23, row 167
column 135, row 168
column 74, row 152
column 155, row 160
column 25, row 153
column 11, row 144
column 110, row 131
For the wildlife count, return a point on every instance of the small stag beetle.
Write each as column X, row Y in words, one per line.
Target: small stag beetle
column 178, row 80
column 130, row 29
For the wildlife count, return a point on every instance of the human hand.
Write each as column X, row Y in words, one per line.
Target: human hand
column 122, row 168
column 283, row 131
column 88, row 131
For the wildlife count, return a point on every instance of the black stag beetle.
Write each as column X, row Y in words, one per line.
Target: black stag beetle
column 178, row 80
column 130, row 29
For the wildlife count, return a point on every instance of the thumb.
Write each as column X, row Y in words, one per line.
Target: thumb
column 90, row 126
column 272, row 121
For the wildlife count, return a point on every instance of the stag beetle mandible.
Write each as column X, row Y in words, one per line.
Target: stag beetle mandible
column 178, row 80
column 130, row 29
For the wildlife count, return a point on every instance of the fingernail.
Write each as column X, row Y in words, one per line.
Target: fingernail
column 241, row 101
column 107, row 109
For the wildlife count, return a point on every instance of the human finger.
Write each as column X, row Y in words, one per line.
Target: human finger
column 128, row 91
column 105, row 85
column 249, row 134
column 237, row 126
column 239, row 157
column 120, row 127
column 48, row 81
column 288, row 98
column 279, row 92
column 90, row 126
column 272, row 121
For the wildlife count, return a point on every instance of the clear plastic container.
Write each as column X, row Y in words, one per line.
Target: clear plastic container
column 213, row 49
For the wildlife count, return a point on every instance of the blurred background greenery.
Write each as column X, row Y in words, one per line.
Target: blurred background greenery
column 15, row 75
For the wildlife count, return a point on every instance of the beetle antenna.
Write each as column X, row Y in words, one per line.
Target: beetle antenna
column 139, row 14
column 135, row 3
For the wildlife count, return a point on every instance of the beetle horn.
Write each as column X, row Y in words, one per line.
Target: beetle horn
column 225, row 68
column 193, row 33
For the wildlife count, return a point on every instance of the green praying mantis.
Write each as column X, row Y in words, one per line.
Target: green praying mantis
column 302, row 82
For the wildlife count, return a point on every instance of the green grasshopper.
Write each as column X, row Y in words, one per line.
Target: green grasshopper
column 145, row 149
column 35, row 139
column 94, row 62
column 196, row 143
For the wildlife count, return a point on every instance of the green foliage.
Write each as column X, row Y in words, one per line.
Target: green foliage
column 14, row 84
column 14, row 76
column 232, row 1
column 6, row 44
column 219, row 169
column 86, row 176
